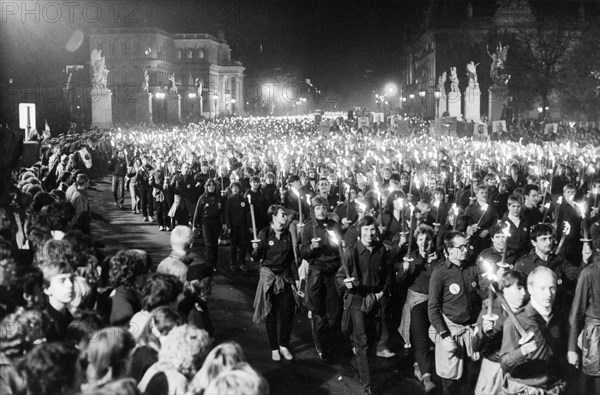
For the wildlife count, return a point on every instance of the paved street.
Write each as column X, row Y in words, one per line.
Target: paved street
column 231, row 311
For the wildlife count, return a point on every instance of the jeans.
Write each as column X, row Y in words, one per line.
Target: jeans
column 134, row 196
column 282, row 307
column 325, row 309
column 161, row 213
column 362, row 325
column 118, row 189
column 147, row 201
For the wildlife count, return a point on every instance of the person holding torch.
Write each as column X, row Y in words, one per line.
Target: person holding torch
column 363, row 280
column 278, row 279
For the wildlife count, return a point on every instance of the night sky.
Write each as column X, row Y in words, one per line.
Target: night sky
column 352, row 46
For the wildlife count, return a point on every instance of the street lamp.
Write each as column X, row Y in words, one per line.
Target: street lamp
column 192, row 95
column 391, row 89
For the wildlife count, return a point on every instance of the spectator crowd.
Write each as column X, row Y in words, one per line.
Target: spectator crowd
column 483, row 255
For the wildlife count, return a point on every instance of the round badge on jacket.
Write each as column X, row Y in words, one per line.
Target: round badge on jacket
column 271, row 243
column 243, row 204
column 454, row 289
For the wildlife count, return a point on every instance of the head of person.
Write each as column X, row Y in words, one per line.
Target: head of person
column 351, row 192
column 424, row 237
column 277, row 215
column 531, row 194
column 396, row 200
column 84, row 324
column 439, row 194
column 52, row 368
column 236, row 188
column 241, row 379
column 199, row 281
column 125, row 269
column 541, row 285
column 269, row 178
column 184, row 348
column 369, row 232
column 319, row 205
column 210, row 187
column 293, row 181
column 456, row 247
column 162, row 320
column 108, row 354
column 569, row 192
column 463, row 222
column 498, row 236
column 185, row 168
column 324, row 185
column 58, row 283
column 222, row 357
column 160, row 290
column 182, row 238
column 514, row 205
column 255, row 183
column 542, row 238
column 513, row 285
column 481, row 193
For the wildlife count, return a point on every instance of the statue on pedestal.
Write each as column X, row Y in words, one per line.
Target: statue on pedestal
column 173, row 87
column 146, row 83
column 99, row 69
column 442, row 84
column 198, row 85
column 472, row 72
column 454, row 81
column 499, row 76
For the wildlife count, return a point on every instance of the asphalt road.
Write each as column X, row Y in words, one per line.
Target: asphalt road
column 231, row 311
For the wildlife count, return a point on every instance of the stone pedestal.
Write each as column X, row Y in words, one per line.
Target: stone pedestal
column 174, row 108
column 442, row 106
column 472, row 102
column 101, row 108
column 143, row 108
column 454, row 104
column 498, row 99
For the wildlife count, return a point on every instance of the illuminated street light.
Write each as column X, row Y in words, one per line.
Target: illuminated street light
column 192, row 95
column 422, row 94
column 160, row 95
column 540, row 109
column 391, row 89
column 437, row 94
column 403, row 99
column 412, row 96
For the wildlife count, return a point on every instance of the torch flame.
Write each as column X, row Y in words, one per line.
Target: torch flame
column 489, row 271
column 249, row 199
column 308, row 199
column 296, row 192
column 455, row 208
column 361, row 206
column 582, row 208
column 333, row 237
column 506, row 230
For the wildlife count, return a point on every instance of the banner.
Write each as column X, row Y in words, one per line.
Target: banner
column 480, row 131
column 550, row 128
column 498, row 126
column 377, row 117
column 445, row 126
column 363, row 121
column 395, row 120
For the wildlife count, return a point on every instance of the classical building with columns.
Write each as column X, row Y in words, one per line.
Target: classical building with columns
column 194, row 59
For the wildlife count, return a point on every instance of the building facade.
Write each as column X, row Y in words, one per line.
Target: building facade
column 193, row 59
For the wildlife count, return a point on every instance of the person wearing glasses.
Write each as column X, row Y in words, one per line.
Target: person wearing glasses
column 453, row 307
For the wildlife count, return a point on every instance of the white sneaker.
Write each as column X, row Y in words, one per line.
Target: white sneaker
column 286, row 353
column 275, row 355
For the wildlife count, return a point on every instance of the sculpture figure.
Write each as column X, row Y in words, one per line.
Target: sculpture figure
column 472, row 72
column 198, row 84
column 173, row 87
column 442, row 84
column 454, row 81
column 146, row 84
column 499, row 76
column 99, row 69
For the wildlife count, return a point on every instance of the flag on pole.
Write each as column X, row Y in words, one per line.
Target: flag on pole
column 47, row 133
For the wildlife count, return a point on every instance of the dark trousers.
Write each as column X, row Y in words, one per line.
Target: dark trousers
column 589, row 384
column 419, row 334
column 190, row 206
column 118, row 189
column 466, row 384
column 384, row 323
column 239, row 245
column 147, row 201
column 211, row 229
column 363, row 325
column 325, row 322
column 161, row 213
column 282, row 307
